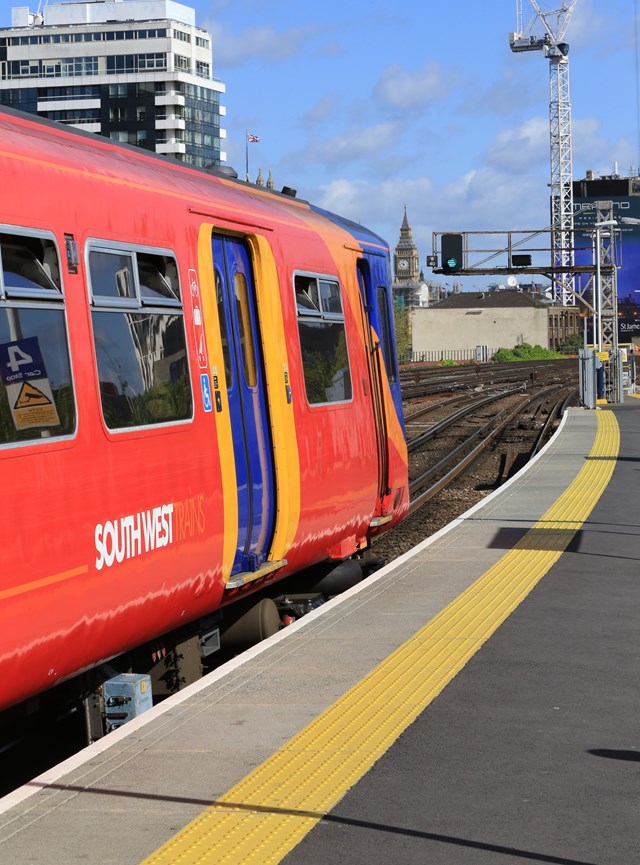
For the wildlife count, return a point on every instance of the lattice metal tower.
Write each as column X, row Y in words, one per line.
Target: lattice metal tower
column 555, row 23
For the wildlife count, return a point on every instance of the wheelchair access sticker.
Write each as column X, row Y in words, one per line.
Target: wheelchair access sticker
column 29, row 393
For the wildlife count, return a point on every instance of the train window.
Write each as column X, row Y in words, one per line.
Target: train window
column 330, row 294
column 244, row 325
column 223, row 331
column 323, row 341
column 36, row 391
column 111, row 275
column 29, row 266
column 158, row 279
column 385, row 335
column 307, row 298
column 139, row 336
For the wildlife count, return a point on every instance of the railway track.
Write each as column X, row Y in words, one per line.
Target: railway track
column 472, row 441
column 420, row 380
column 482, row 436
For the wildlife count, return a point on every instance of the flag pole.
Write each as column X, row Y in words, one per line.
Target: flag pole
column 246, row 153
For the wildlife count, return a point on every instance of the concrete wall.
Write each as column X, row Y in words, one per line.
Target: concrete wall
column 436, row 329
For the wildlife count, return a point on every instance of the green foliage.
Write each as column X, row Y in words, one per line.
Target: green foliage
column 526, row 352
column 448, row 362
column 403, row 329
column 166, row 401
column 573, row 343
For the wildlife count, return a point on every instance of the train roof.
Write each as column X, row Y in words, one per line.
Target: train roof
column 100, row 153
column 363, row 235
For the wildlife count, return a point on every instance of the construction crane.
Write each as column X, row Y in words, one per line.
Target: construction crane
column 555, row 24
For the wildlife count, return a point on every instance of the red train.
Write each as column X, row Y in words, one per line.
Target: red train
column 199, row 397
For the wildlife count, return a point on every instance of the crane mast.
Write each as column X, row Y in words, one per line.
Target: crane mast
column 554, row 47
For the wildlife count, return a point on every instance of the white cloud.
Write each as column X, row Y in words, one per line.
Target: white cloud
column 400, row 88
column 522, row 148
column 479, row 200
column 255, row 43
column 322, row 109
column 586, row 22
column 510, row 93
column 379, row 205
column 588, row 143
column 491, row 200
column 354, row 144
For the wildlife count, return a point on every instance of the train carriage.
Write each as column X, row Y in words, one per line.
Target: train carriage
column 198, row 397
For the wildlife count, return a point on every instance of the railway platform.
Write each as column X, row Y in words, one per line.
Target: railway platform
column 475, row 701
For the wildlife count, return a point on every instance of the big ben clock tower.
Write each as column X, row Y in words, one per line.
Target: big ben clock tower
column 406, row 263
column 405, row 258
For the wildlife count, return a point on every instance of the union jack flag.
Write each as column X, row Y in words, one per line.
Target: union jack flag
column 252, row 137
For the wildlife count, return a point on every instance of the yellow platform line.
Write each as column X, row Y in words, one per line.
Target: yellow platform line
column 266, row 814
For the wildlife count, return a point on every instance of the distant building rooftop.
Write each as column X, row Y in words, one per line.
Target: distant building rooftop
column 103, row 11
column 490, row 300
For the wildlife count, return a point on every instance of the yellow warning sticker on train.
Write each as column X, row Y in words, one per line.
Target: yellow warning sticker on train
column 32, row 404
column 30, row 395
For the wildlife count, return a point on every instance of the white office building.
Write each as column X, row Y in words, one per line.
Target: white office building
column 136, row 71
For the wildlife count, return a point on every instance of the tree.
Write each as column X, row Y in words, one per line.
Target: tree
column 403, row 329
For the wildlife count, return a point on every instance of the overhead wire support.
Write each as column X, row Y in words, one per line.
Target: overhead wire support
column 556, row 50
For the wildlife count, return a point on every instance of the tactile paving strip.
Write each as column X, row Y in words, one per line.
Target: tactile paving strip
column 266, row 814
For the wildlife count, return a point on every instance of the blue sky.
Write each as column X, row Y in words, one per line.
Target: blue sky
column 366, row 107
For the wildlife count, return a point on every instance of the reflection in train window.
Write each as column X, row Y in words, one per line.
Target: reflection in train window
column 138, row 330
column 36, row 390
column 244, row 325
column 385, row 336
column 29, row 266
column 323, row 341
column 224, row 336
column 111, row 275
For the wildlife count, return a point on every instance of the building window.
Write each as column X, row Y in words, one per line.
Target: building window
column 121, row 63
column 202, row 69
column 79, row 116
column 323, row 341
column 155, row 60
column 36, row 390
column 138, row 330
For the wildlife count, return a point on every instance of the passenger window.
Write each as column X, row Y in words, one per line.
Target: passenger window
column 158, row 278
column 36, row 391
column 223, row 331
column 111, row 275
column 330, row 294
column 307, row 298
column 385, row 336
column 139, row 336
column 244, row 325
column 323, row 340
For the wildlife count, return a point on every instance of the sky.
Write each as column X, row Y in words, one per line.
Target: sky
column 367, row 108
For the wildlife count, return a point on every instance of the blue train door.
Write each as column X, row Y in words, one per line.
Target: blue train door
column 244, row 373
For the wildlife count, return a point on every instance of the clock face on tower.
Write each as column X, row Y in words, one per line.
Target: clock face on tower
column 403, row 264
